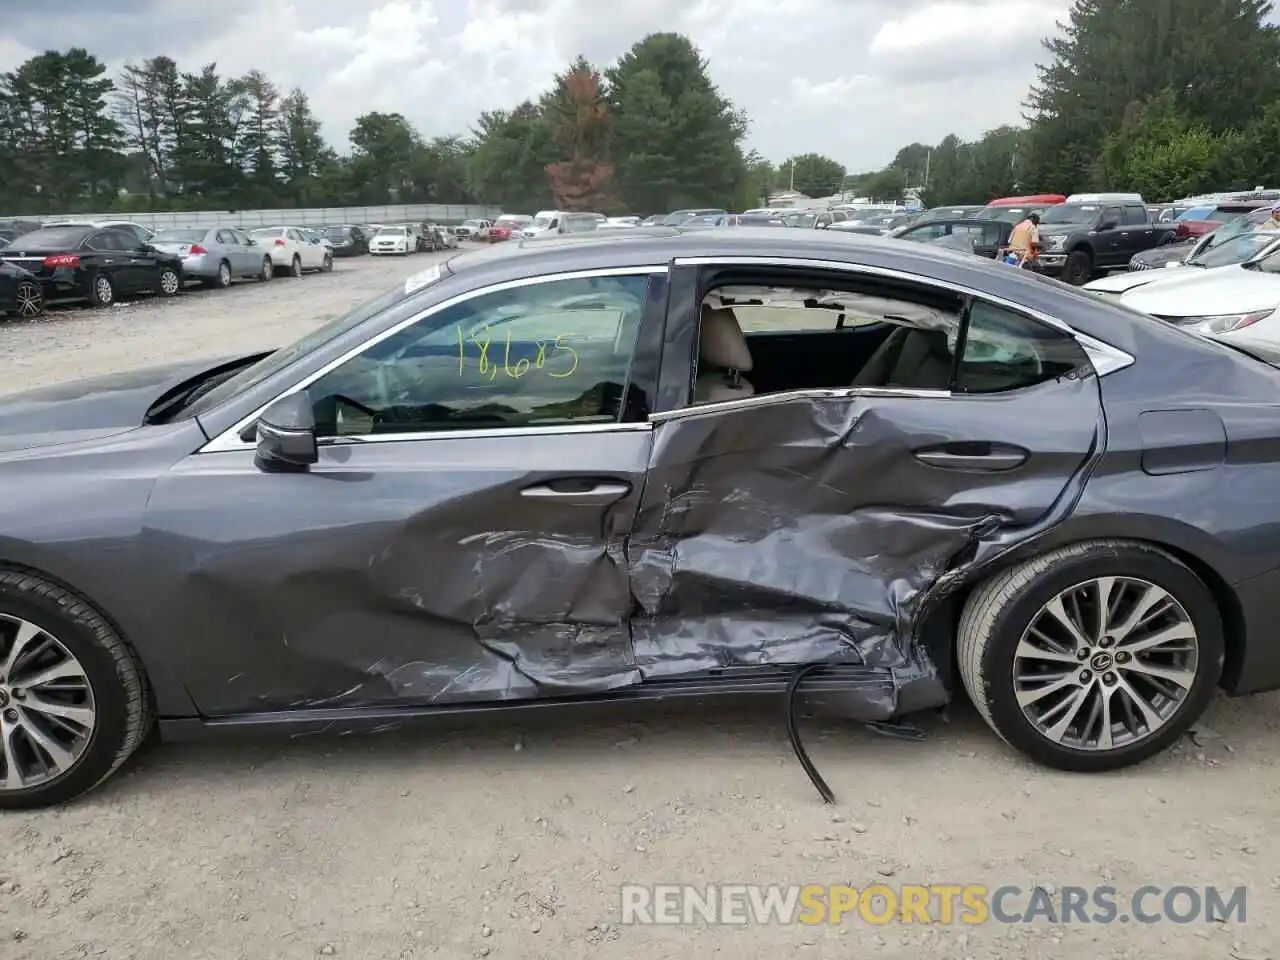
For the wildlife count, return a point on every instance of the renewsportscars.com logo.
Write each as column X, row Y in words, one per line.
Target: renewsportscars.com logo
column 927, row 904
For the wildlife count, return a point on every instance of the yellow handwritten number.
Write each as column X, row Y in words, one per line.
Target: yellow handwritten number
column 486, row 367
column 462, row 350
column 572, row 352
column 521, row 366
column 542, row 353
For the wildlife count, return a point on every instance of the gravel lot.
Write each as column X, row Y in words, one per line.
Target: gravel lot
column 512, row 840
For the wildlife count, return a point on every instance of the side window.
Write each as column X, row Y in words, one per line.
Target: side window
column 993, row 234
column 839, row 215
column 1004, row 350
column 793, row 311
column 1135, row 215
column 1112, row 215
column 930, row 231
column 106, row 240
column 226, row 236
column 546, row 354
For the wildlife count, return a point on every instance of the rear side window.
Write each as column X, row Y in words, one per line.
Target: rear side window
column 1005, row 351
column 1135, row 215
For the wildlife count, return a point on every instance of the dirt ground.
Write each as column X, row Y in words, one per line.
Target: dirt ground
column 512, row 840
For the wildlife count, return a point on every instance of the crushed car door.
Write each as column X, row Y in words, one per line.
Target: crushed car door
column 461, row 537
column 806, row 526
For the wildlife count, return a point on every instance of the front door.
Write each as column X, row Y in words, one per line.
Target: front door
column 806, row 525
column 462, row 538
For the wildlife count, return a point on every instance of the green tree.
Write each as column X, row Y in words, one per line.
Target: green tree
column 1218, row 57
column 884, row 185
column 257, row 104
column 676, row 138
column 508, row 160
column 814, row 175
column 204, row 156
column 302, row 148
column 759, row 179
column 384, row 149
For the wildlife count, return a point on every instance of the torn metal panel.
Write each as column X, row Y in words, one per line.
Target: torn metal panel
column 782, row 531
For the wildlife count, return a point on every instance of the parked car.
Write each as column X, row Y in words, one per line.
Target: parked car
column 959, row 212
column 20, row 293
column 1085, row 237
column 347, row 240
column 562, row 222
column 751, row 220
column 395, row 239
column 10, row 230
column 1015, row 209
column 623, row 221
column 1239, row 249
column 215, row 256
column 508, row 226
column 1176, row 251
column 1236, row 303
column 289, row 249
column 1198, row 221
column 1018, row 492
column 445, row 238
column 94, row 264
column 477, row 229
column 677, row 217
column 318, row 238
column 1254, row 215
column 983, row 238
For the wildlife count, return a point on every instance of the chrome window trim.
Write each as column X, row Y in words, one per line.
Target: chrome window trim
column 1105, row 357
column 786, row 396
column 229, row 439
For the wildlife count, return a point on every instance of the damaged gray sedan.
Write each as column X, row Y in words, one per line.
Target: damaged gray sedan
column 649, row 466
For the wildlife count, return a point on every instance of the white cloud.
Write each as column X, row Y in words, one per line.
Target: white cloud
column 854, row 79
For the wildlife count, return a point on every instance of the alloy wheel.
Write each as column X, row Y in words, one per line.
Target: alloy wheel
column 47, row 712
column 1105, row 663
column 105, row 292
column 29, row 300
column 169, row 282
column 224, row 275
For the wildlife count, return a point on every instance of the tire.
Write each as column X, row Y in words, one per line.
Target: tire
column 295, row 266
column 28, row 299
column 327, row 265
column 223, row 279
column 268, row 269
column 169, row 283
column 102, row 292
column 1001, row 611
column 117, row 691
column 1078, row 268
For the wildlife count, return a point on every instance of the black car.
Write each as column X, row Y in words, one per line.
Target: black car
column 1080, row 240
column 94, row 264
column 347, row 240
column 1164, row 255
column 985, row 238
column 20, row 293
column 856, row 474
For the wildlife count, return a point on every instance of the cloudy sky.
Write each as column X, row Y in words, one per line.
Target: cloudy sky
column 852, row 79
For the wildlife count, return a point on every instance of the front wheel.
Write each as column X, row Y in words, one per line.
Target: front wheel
column 1094, row 657
column 74, row 703
column 327, row 265
column 295, row 266
column 169, row 283
column 268, row 269
column 1078, row 268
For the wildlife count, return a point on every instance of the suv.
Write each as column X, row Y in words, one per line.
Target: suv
column 1094, row 233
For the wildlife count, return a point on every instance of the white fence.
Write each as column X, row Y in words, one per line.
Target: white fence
column 394, row 213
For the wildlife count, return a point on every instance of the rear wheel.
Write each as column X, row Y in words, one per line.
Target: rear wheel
column 28, row 299
column 327, row 265
column 74, row 703
column 295, row 266
column 102, row 292
column 170, row 282
column 268, row 269
column 1094, row 657
column 223, row 278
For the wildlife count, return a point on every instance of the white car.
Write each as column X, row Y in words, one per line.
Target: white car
column 399, row 240
column 1233, row 251
column 1238, row 304
column 473, row 229
column 291, row 251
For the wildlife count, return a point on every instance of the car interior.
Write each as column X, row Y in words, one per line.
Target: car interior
column 762, row 339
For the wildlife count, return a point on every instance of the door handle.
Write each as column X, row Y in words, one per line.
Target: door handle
column 980, row 457
column 578, row 493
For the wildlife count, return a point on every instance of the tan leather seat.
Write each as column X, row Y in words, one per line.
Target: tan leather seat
column 909, row 358
column 723, row 356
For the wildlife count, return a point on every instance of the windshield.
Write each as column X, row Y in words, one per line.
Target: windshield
column 1235, row 249
column 1070, row 213
column 337, row 233
column 179, row 236
column 391, row 232
column 542, row 223
column 274, row 362
column 1007, row 214
column 1196, row 213
column 801, row 220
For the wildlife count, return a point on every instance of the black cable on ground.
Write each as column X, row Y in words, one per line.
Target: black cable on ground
column 794, row 734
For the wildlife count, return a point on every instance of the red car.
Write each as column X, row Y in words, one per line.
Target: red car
column 505, row 226
column 1198, row 221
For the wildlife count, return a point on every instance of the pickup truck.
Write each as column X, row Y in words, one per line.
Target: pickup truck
column 1080, row 240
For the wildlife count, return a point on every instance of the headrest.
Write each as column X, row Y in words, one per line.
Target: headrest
column 721, row 341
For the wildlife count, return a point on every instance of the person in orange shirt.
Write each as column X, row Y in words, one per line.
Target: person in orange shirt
column 1024, row 241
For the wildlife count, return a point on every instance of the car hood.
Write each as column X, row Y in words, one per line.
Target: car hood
column 1131, row 280
column 1062, row 229
column 1219, row 291
column 88, row 409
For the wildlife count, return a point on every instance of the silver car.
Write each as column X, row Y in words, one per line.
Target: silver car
column 215, row 256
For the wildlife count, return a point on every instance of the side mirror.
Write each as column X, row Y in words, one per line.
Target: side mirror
column 287, row 435
column 823, row 226
column 253, row 242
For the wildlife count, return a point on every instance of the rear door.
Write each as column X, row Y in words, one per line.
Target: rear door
column 806, row 525
column 130, row 270
column 1114, row 243
column 1138, row 232
column 462, row 538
